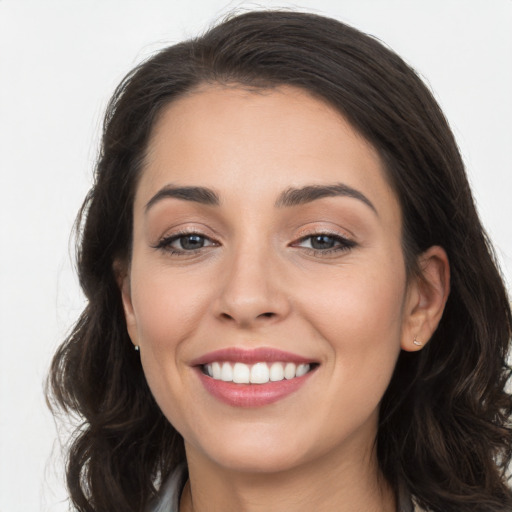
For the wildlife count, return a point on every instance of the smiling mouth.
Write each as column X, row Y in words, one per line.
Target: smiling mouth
column 258, row 373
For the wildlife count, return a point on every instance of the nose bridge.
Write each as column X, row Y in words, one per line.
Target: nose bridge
column 251, row 288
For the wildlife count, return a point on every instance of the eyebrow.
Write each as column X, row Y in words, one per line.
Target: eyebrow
column 200, row 195
column 297, row 196
column 288, row 198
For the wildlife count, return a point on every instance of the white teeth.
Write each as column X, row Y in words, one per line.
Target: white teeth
column 216, row 370
column 259, row 373
column 276, row 372
column 241, row 373
column 302, row 369
column 289, row 371
column 226, row 373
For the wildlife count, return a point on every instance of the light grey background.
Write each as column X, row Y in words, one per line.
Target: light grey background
column 60, row 61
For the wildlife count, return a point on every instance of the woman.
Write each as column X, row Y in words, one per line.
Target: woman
column 292, row 304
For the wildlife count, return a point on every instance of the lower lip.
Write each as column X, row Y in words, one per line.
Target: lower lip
column 251, row 395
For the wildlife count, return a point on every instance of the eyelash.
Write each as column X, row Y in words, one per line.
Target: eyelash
column 343, row 244
column 165, row 243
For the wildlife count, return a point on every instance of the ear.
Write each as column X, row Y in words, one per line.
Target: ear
column 426, row 298
column 122, row 274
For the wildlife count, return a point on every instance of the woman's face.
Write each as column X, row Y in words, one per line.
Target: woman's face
column 266, row 249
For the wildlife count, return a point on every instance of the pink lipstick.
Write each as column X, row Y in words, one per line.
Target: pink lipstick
column 252, row 378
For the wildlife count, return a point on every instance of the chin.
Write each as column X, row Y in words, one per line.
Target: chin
column 261, row 452
column 257, row 461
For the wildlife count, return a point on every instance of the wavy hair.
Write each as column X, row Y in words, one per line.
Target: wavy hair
column 444, row 428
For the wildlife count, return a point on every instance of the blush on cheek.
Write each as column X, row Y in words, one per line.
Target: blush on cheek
column 358, row 318
column 162, row 309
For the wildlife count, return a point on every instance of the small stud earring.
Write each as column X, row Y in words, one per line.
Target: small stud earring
column 136, row 347
column 417, row 343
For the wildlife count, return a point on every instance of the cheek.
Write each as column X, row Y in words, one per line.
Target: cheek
column 167, row 307
column 357, row 314
column 167, row 310
column 358, row 300
column 359, row 321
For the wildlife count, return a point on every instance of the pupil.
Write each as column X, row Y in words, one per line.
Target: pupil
column 322, row 242
column 191, row 242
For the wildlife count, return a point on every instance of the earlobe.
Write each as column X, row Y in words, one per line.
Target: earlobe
column 123, row 281
column 426, row 299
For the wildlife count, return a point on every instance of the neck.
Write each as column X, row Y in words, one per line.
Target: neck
column 354, row 485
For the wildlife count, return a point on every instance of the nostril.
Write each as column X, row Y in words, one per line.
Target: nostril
column 227, row 316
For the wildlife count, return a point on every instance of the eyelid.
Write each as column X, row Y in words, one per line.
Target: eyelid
column 185, row 227
column 306, row 232
column 336, row 236
column 329, row 235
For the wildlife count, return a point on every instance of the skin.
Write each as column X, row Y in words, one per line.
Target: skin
column 258, row 283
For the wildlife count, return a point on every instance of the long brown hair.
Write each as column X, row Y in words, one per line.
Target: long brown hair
column 445, row 419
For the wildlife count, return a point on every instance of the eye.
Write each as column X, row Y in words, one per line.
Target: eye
column 323, row 243
column 320, row 242
column 189, row 242
column 180, row 243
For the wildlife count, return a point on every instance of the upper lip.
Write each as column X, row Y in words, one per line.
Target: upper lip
column 250, row 356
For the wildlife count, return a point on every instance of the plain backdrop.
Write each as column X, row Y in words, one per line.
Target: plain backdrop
column 60, row 61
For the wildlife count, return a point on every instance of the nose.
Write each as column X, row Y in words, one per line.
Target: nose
column 252, row 291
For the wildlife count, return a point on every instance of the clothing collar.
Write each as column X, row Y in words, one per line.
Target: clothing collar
column 170, row 493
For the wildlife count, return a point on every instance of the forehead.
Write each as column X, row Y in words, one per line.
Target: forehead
column 242, row 141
